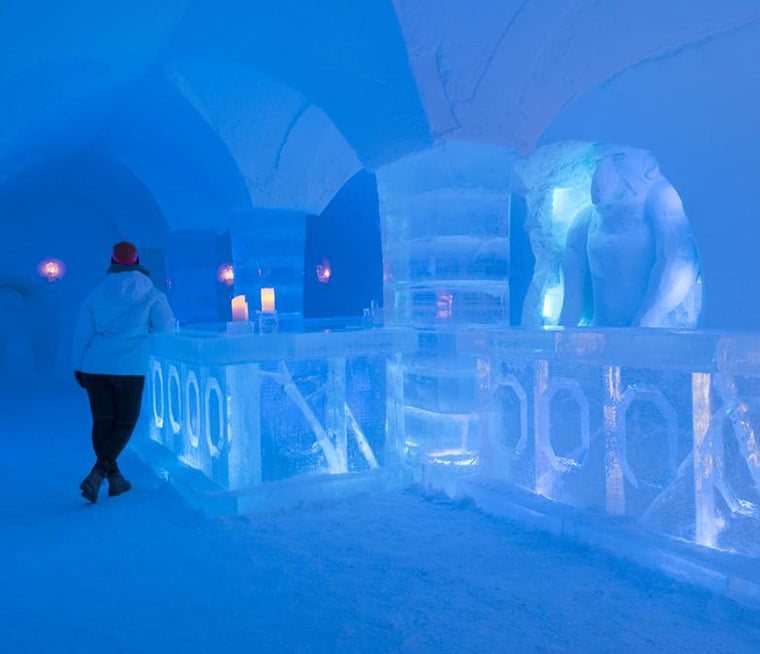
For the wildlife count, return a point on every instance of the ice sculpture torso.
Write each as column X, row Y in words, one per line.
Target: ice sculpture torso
column 620, row 253
column 631, row 260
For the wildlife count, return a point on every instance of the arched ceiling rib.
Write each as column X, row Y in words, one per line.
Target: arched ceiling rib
column 99, row 182
column 287, row 149
column 383, row 71
column 347, row 57
column 154, row 133
column 501, row 72
column 167, row 144
column 82, row 77
column 54, row 107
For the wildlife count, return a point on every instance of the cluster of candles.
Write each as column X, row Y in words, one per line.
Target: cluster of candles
column 240, row 304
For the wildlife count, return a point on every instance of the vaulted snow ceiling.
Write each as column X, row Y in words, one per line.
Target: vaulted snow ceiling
column 218, row 106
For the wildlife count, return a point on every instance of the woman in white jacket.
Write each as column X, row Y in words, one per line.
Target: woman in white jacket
column 111, row 348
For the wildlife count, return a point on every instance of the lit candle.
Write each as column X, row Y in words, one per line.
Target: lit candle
column 239, row 308
column 267, row 300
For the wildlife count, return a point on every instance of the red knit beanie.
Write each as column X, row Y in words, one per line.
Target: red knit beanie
column 125, row 254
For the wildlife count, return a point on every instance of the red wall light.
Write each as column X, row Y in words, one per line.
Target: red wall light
column 226, row 274
column 51, row 269
column 324, row 271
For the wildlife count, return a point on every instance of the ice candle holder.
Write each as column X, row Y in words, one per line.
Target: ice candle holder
column 268, row 320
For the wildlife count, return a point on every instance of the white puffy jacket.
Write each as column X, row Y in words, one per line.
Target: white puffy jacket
column 112, row 332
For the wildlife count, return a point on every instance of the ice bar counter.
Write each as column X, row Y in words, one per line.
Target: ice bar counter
column 657, row 427
column 246, row 409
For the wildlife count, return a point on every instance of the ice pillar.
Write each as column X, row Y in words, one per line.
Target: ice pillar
column 445, row 231
column 267, row 251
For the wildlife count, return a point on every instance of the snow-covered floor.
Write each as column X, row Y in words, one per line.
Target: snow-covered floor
column 396, row 572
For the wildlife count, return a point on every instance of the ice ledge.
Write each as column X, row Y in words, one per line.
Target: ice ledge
column 201, row 493
column 226, row 349
column 723, row 573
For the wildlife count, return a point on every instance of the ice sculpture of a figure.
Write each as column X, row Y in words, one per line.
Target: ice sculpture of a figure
column 631, row 258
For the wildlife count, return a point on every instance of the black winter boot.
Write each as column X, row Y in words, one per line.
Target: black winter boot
column 117, row 484
column 91, row 484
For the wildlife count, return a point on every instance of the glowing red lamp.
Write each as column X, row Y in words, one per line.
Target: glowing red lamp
column 324, row 271
column 51, row 269
column 226, row 274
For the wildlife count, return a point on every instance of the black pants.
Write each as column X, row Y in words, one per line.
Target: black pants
column 115, row 404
